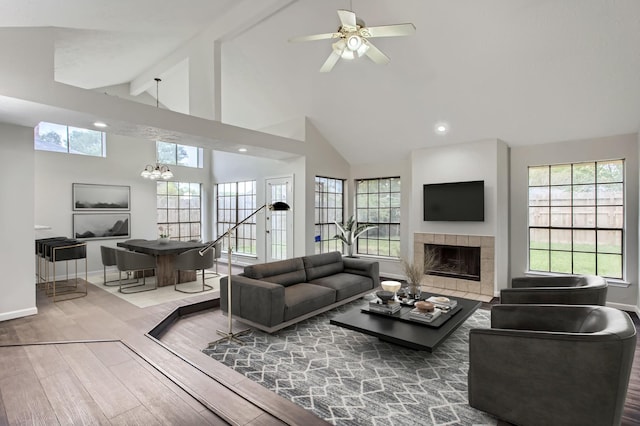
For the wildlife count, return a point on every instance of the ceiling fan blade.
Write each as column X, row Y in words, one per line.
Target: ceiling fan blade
column 347, row 19
column 375, row 54
column 389, row 30
column 331, row 61
column 314, row 37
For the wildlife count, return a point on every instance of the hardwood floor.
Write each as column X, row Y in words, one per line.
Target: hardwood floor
column 88, row 361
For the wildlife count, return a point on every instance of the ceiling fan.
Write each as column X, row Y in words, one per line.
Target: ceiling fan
column 354, row 38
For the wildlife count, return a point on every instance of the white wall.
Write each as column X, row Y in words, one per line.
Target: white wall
column 613, row 147
column 17, row 223
column 484, row 160
column 126, row 157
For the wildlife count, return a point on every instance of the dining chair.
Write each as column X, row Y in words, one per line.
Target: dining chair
column 108, row 255
column 129, row 261
column 191, row 260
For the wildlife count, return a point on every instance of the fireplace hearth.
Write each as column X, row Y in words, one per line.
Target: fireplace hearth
column 455, row 261
column 460, row 285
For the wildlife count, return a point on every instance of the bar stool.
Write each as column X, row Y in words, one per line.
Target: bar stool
column 65, row 251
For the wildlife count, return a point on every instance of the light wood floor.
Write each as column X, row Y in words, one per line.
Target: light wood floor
column 88, row 361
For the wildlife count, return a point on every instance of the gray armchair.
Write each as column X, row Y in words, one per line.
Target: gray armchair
column 552, row 364
column 562, row 290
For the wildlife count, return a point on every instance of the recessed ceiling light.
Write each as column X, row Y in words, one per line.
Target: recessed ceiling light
column 100, row 124
column 242, row 149
column 441, row 128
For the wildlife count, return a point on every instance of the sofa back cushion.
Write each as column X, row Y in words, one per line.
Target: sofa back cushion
column 322, row 265
column 284, row 272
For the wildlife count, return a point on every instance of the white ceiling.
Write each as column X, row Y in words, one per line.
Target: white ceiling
column 524, row 71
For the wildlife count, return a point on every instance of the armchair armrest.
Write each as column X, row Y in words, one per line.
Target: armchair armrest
column 546, row 318
column 255, row 300
column 523, row 282
column 363, row 267
column 553, row 295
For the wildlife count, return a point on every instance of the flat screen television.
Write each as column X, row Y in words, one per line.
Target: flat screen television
column 454, row 201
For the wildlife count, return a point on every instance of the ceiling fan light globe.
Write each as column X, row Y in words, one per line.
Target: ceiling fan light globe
column 362, row 49
column 354, row 42
column 348, row 54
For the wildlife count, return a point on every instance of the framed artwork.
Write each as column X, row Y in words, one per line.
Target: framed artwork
column 93, row 226
column 88, row 196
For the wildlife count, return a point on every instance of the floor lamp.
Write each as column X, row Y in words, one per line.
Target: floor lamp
column 229, row 334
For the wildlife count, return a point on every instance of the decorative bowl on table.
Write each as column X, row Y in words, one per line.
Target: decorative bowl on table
column 424, row 306
column 385, row 296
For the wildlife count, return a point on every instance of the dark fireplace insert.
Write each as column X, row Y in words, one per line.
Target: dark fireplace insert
column 454, row 261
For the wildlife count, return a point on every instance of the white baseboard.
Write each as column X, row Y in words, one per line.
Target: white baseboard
column 4, row 316
column 624, row 307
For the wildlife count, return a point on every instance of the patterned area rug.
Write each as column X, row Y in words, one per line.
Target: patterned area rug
column 348, row 378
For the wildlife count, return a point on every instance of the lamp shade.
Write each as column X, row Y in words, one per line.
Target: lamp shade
column 279, row 206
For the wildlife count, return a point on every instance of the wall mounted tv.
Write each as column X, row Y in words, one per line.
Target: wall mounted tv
column 454, row 201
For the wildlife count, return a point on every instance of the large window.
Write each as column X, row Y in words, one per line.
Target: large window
column 576, row 218
column 378, row 203
column 329, row 209
column 179, row 155
column 179, row 213
column 73, row 140
column 236, row 201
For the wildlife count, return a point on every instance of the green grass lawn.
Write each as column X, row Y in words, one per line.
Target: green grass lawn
column 609, row 265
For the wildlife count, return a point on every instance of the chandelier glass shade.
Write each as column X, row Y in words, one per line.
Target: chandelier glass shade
column 160, row 171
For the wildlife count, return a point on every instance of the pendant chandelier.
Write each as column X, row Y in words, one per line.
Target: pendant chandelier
column 160, row 171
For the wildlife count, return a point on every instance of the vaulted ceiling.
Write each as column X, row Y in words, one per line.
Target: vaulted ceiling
column 524, row 71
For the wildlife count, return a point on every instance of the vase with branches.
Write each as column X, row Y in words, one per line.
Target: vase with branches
column 349, row 233
column 415, row 270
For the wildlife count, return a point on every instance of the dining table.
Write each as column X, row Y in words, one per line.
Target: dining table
column 165, row 252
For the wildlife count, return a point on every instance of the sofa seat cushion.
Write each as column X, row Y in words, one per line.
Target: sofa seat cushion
column 300, row 299
column 284, row 272
column 345, row 284
column 322, row 265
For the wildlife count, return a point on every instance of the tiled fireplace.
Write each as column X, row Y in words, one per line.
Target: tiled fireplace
column 475, row 283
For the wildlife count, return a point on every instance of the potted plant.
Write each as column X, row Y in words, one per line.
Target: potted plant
column 349, row 233
column 415, row 270
column 164, row 236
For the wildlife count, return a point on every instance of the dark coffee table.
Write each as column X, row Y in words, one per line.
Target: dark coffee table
column 414, row 335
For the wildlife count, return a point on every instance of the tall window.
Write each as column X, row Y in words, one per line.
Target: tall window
column 179, row 213
column 378, row 203
column 73, row 140
column 179, row 155
column 236, row 201
column 329, row 209
column 576, row 218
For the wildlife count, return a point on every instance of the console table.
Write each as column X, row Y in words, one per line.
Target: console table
column 165, row 258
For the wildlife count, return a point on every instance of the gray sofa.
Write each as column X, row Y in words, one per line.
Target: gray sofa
column 274, row 295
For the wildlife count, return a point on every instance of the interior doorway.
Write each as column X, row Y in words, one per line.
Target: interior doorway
column 279, row 224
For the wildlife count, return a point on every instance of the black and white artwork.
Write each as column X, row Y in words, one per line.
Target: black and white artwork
column 87, row 196
column 90, row 226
